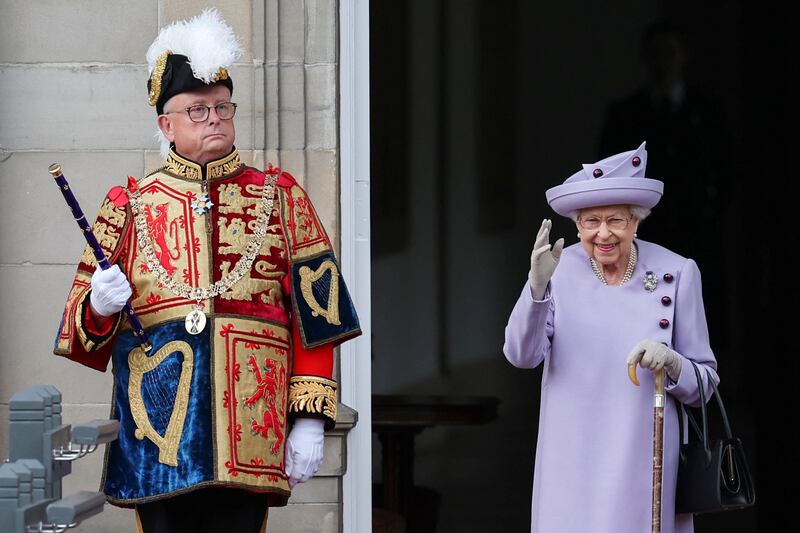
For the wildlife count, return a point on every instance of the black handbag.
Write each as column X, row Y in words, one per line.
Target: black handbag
column 713, row 474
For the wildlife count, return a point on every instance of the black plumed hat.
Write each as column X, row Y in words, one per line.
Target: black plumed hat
column 187, row 55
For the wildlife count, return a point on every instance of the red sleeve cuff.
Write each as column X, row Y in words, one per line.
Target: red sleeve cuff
column 90, row 323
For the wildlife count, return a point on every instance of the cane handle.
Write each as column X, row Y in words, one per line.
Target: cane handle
column 632, row 374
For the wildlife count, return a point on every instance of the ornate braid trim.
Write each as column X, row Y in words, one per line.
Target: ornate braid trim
column 221, row 74
column 224, row 166
column 155, row 78
column 312, row 395
column 214, row 169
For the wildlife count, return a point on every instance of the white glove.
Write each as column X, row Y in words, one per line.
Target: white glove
column 655, row 356
column 110, row 291
column 544, row 259
column 304, row 449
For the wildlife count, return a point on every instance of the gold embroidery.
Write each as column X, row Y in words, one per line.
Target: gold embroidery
column 214, row 169
column 70, row 319
column 307, row 277
column 232, row 201
column 272, row 240
column 115, row 215
column 247, row 286
column 224, row 166
column 243, row 434
column 302, row 238
column 266, row 269
column 155, row 78
column 269, row 385
column 106, row 234
column 222, row 74
column 88, row 257
column 273, row 296
column 313, row 395
column 139, row 364
column 233, row 234
column 182, row 167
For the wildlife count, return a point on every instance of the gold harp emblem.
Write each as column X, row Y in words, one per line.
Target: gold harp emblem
column 139, row 364
column 308, row 277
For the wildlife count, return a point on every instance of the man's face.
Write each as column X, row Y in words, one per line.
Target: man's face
column 199, row 141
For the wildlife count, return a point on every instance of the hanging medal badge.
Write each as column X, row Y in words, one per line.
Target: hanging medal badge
column 196, row 320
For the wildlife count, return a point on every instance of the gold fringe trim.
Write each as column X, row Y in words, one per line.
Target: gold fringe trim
column 312, row 395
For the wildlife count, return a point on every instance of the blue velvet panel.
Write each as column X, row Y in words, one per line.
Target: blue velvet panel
column 133, row 470
column 315, row 329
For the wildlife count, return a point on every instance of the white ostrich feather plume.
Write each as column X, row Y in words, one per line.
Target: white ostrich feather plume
column 206, row 40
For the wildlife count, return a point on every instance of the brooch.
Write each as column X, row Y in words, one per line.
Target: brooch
column 650, row 281
column 202, row 204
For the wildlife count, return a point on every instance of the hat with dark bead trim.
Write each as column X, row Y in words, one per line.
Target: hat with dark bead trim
column 615, row 180
column 188, row 55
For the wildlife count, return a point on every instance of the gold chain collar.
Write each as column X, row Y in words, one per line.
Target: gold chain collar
column 239, row 271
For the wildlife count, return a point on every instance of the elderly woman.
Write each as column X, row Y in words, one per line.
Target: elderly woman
column 586, row 312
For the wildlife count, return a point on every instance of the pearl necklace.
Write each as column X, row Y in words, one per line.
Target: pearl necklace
column 196, row 319
column 632, row 257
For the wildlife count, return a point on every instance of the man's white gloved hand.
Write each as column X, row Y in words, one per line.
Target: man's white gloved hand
column 655, row 356
column 110, row 291
column 544, row 259
column 304, row 449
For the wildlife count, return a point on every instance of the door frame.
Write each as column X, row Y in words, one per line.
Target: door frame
column 355, row 356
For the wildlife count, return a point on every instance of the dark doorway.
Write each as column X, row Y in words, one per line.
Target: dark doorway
column 477, row 107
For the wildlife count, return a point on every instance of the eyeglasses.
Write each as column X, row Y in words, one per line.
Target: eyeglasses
column 614, row 223
column 199, row 113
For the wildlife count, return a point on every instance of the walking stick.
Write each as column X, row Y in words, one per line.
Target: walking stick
column 99, row 254
column 658, row 442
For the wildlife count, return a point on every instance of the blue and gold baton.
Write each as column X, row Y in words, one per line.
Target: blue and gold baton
column 99, row 254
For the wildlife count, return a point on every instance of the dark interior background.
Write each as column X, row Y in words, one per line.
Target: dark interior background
column 479, row 106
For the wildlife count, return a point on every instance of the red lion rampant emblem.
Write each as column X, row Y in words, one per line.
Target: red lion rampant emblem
column 157, row 224
column 274, row 377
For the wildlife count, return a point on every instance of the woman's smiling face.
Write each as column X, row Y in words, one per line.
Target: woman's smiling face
column 607, row 232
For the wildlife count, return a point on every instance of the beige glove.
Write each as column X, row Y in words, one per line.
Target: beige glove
column 544, row 260
column 655, row 356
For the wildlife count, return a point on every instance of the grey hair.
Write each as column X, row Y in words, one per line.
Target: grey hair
column 163, row 142
column 637, row 211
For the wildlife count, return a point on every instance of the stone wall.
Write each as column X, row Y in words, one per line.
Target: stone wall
column 73, row 78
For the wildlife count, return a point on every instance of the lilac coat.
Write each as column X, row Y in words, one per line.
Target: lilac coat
column 594, row 453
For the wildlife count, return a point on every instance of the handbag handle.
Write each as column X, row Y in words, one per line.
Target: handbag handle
column 704, row 432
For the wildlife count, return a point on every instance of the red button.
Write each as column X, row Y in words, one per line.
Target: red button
column 668, row 277
column 666, row 300
column 636, row 161
column 597, row 173
column 664, row 323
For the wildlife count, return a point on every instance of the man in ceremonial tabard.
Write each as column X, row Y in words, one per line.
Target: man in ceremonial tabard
column 236, row 284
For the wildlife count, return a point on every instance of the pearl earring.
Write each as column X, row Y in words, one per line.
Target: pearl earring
column 635, row 235
column 579, row 235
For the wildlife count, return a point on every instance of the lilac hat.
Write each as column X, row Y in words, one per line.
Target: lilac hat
column 618, row 179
